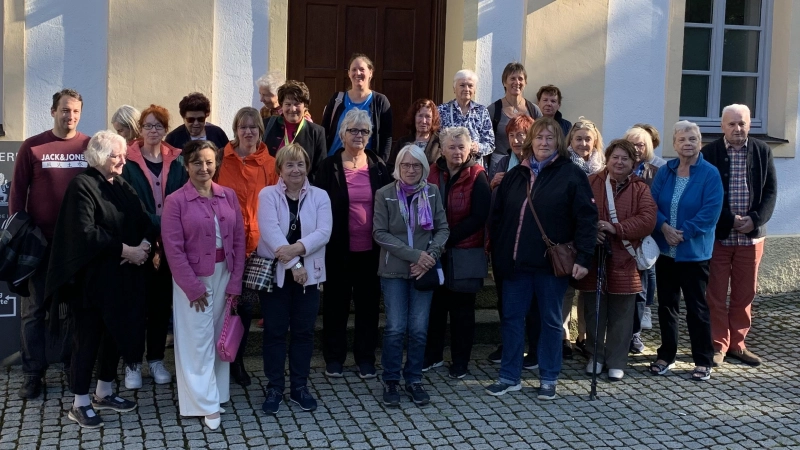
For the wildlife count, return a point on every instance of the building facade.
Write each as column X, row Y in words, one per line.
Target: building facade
column 618, row 62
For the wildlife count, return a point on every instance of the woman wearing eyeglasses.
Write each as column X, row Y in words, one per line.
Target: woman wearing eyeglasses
column 585, row 147
column 247, row 167
column 351, row 177
column 155, row 170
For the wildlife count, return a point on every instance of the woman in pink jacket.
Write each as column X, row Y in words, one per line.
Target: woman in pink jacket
column 203, row 234
column 295, row 222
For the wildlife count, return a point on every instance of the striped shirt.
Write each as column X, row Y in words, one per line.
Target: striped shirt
column 738, row 192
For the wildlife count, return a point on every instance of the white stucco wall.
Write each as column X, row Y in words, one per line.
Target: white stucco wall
column 241, row 36
column 787, row 210
column 636, row 61
column 65, row 46
column 500, row 38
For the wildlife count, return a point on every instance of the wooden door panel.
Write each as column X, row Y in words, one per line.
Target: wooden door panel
column 320, row 45
column 399, row 25
column 321, row 88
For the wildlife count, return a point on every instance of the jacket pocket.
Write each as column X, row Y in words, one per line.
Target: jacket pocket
column 319, row 267
column 193, row 259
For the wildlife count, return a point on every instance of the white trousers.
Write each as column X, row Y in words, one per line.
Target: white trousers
column 203, row 378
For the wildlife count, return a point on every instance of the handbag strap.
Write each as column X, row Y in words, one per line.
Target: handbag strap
column 547, row 240
column 612, row 210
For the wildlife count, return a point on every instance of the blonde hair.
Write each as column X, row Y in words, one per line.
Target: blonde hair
column 252, row 113
column 452, row 133
column 128, row 117
column 641, row 133
column 292, row 152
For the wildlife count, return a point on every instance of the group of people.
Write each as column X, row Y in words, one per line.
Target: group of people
column 149, row 227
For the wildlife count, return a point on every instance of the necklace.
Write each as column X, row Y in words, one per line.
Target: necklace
column 294, row 196
column 353, row 161
column 514, row 108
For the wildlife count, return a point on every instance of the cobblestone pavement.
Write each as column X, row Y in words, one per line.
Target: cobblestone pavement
column 740, row 407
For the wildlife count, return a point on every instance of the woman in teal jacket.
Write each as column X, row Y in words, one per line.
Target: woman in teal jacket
column 688, row 192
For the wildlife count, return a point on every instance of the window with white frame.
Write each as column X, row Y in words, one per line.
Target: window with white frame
column 725, row 60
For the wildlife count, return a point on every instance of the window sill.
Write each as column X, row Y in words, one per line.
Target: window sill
column 711, row 137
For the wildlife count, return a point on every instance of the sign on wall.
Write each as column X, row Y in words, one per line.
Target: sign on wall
column 9, row 302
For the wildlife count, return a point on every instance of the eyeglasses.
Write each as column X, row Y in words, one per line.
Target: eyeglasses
column 639, row 146
column 151, row 126
column 195, row 119
column 586, row 125
column 357, row 131
column 411, row 166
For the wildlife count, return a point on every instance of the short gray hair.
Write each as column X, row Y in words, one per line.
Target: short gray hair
column 101, row 145
column 453, row 133
column 684, row 126
column 744, row 110
column 271, row 81
column 127, row 116
column 465, row 74
column 355, row 117
column 418, row 154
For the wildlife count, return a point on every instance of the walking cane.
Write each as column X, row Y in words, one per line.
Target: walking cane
column 601, row 266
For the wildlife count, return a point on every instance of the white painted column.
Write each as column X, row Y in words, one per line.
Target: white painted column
column 241, row 39
column 636, row 62
column 784, row 219
column 500, row 37
column 66, row 47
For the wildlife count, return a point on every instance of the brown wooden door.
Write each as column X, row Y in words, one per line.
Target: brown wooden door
column 402, row 37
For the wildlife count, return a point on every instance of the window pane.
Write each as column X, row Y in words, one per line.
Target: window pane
column 740, row 51
column 694, row 96
column 696, row 48
column 743, row 12
column 698, row 11
column 738, row 90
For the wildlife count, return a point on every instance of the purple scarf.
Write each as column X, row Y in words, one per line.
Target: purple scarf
column 423, row 214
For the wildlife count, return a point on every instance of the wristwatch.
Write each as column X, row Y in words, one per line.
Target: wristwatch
column 297, row 266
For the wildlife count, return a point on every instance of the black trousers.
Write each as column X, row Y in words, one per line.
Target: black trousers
column 533, row 322
column 357, row 281
column 691, row 279
column 461, row 307
column 93, row 339
column 158, row 308
column 247, row 302
column 289, row 309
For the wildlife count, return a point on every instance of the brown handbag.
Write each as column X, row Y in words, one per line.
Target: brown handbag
column 562, row 256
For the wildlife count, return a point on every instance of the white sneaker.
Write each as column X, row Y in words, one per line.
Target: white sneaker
column 647, row 319
column 133, row 376
column 159, row 373
column 598, row 368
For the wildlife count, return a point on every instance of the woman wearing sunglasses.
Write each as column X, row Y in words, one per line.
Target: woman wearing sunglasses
column 195, row 109
column 351, row 177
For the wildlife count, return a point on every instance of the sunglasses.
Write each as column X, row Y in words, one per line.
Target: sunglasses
column 195, row 119
column 586, row 125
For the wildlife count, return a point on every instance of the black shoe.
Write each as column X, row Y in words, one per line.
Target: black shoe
column 458, row 373
column 530, row 362
column 547, row 392
column 273, row 401
column 366, row 371
column 580, row 346
column 497, row 355
column 567, row 349
column 85, row 416
column 302, row 397
column 31, row 387
column 239, row 374
column 391, row 393
column 417, row 394
column 112, row 402
column 334, row 369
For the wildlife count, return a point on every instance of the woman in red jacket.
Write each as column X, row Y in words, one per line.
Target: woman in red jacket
column 635, row 219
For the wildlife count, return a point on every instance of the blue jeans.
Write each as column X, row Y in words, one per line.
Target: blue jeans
column 407, row 311
column 518, row 289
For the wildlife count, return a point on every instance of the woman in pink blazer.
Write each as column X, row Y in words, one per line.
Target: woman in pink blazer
column 203, row 234
column 295, row 222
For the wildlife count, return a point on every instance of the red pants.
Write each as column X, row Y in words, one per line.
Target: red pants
column 730, row 321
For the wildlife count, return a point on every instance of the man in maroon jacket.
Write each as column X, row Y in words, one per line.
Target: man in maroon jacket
column 44, row 166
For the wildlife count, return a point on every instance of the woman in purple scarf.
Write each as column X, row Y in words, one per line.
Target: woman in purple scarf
column 410, row 226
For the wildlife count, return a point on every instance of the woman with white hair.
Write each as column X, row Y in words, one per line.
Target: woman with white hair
column 464, row 112
column 689, row 195
column 102, row 239
column 268, row 85
column 411, row 228
column 360, row 96
column 125, row 121
column 351, row 177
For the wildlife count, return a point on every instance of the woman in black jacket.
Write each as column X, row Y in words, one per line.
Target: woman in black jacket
column 423, row 123
column 293, row 126
column 360, row 96
column 351, row 176
column 563, row 200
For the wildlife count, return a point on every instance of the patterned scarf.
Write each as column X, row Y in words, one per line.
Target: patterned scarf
column 537, row 166
column 593, row 165
column 423, row 214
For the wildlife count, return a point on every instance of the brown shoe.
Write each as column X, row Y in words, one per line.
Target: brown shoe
column 745, row 356
column 719, row 358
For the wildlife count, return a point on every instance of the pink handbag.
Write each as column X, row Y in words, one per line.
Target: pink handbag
column 232, row 332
